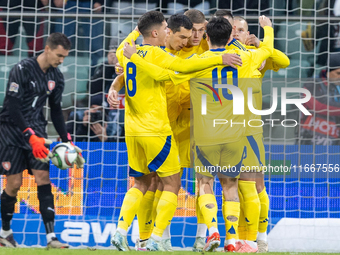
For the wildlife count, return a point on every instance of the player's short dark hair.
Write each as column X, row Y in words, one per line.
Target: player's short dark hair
column 176, row 21
column 148, row 21
column 195, row 16
column 56, row 39
column 219, row 30
column 223, row 12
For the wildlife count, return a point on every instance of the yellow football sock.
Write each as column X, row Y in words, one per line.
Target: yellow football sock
column 242, row 224
column 251, row 207
column 129, row 208
column 200, row 219
column 209, row 214
column 223, row 200
column 165, row 211
column 231, row 209
column 158, row 194
column 264, row 200
column 144, row 215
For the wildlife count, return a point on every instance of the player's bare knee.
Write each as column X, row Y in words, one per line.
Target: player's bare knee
column 13, row 187
column 141, row 184
column 160, row 186
column 175, row 187
column 41, row 177
column 154, row 183
column 206, row 181
column 248, row 176
column 259, row 185
column 172, row 183
column 206, row 185
column 230, row 189
column 259, row 188
column 172, row 188
column 229, row 183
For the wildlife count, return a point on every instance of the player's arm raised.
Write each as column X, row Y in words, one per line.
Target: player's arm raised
column 192, row 64
column 154, row 71
column 279, row 60
column 132, row 36
column 276, row 61
column 267, row 46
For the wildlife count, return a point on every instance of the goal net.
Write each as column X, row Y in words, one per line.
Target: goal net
column 304, row 203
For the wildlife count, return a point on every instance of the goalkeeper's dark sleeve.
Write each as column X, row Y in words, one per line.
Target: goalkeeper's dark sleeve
column 14, row 109
column 58, row 121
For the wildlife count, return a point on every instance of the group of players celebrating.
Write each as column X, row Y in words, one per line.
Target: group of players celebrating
column 158, row 112
column 160, row 101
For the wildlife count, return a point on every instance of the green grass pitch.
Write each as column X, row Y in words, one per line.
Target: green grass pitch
column 42, row 251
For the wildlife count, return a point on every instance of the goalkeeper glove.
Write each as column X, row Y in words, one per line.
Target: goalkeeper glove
column 80, row 160
column 39, row 150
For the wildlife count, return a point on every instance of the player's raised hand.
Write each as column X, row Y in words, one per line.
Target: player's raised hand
column 39, row 150
column 264, row 21
column 129, row 50
column 232, row 60
column 253, row 40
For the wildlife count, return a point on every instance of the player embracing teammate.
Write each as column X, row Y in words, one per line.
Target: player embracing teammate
column 149, row 139
column 148, row 69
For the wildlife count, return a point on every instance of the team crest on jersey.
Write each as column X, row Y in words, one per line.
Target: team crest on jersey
column 6, row 165
column 51, row 85
column 14, row 87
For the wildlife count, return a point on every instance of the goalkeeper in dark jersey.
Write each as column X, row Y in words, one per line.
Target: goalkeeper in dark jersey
column 23, row 132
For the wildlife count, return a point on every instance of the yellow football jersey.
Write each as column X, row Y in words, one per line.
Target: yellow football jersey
column 172, row 96
column 183, row 90
column 178, row 97
column 275, row 62
column 222, row 106
column 234, row 44
column 205, row 133
column 119, row 53
column 186, row 52
column 146, row 110
column 172, row 91
column 145, row 99
column 251, row 61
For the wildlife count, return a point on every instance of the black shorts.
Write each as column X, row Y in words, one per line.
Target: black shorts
column 15, row 160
